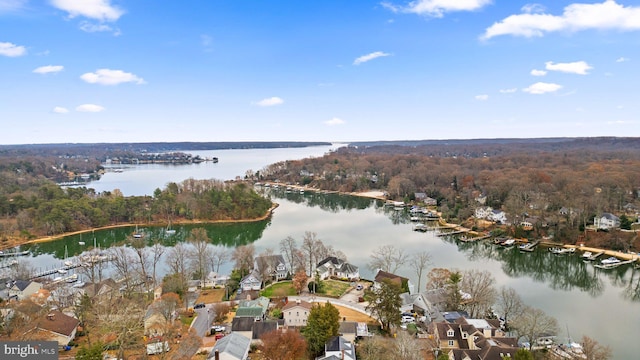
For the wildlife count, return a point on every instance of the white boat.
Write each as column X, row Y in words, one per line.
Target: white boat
column 62, row 271
column 508, row 242
column 80, row 242
column 68, row 263
column 611, row 260
column 78, row 284
column 586, row 255
column 170, row 231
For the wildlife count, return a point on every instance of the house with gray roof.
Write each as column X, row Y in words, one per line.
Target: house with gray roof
column 606, row 221
column 231, row 347
column 334, row 267
column 22, row 289
column 272, row 266
column 338, row 348
column 253, row 281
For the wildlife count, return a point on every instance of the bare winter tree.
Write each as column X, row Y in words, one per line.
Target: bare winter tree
column 156, row 251
column 594, row 350
column 177, row 261
column 200, row 252
column 479, row 285
column 407, row 347
column 142, row 256
column 288, row 248
column 387, row 258
column 532, row 323
column 243, row 256
column 509, row 302
column 218, row 256
column 419, row 261
column 309, row 248
column 124, row 263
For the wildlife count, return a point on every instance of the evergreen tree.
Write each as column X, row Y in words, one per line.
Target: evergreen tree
column 90, row 352
column 322, row 324
column 384, row 303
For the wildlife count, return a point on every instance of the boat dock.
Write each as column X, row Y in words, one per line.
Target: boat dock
column 61, row 270
column 452, row 233
column 472, row 239
column 529, row 247
column 14, row 253
column 614, row 265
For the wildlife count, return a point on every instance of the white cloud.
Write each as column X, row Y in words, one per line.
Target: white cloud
column 90, row 108
column 111, row 77
column 101, row 10
column 272, row 101
column 437, row 8
column 533, row 8
column 576, row 17
column 369, row 57
column 536, row 72
column 577, row 67
column 542, row 88
column 48, row 69
column 482, row 97
column 11, row 50
column 508, row 91
column 11, row 5
column 60, row 110
column 334, row 121
column 90, row 27
column 622, row 59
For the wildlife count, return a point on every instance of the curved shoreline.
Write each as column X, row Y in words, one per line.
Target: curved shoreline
column 181, row 222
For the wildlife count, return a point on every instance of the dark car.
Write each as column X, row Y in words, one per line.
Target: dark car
column 199, row 306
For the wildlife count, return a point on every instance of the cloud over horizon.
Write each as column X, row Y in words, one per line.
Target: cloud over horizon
column 437, row 8
column 12, row 50
column 272, row 101
column 111, row 77
column 540, row 88
column 608, row 15
column 90, row 108
column 60, row 110
column 334, row 121
column 48, row 69
column 374, row 55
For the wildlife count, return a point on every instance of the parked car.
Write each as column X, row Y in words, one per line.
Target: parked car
column 359, row 287
column 218, row 328
column 199, row 306
column 408, row 319
column 219, row 336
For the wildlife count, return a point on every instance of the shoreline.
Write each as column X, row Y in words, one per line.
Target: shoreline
column 115, row 226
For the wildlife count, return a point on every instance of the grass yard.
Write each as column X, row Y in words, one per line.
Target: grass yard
column 352, row 315
column 334, row 288
column 209, row 296
column 279, row 289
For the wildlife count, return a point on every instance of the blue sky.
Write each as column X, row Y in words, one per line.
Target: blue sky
column 333, row 70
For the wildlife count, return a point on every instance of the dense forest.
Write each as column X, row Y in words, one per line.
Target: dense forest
column 33, row 207
column 559, row 185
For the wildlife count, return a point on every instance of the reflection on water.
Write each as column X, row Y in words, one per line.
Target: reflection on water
column 583, row 297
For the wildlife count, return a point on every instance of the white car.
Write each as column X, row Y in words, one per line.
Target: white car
column 408, row 319
column 218, row 328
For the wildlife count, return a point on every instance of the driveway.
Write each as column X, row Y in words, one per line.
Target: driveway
column 353, row 295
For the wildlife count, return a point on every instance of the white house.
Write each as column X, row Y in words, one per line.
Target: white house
column 295, row 313
column 251, row 282
column 21, row 289
column 271, row 265
column 606, row 221
column 498, row 216
column 483, row 212
column 334, row 267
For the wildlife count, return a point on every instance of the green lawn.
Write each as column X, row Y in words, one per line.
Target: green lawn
column 279, row 289
column 334, row 288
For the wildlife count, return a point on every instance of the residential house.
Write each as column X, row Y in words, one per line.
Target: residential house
column 338, row 348
column 334, row 267
column 404, row 283
column 157, row 320
column 102, row 288
column 606, row 221
column 231, row 347
column 418, row 303
column 22, row 289
column 253, row 281
column 348, row 330
column 256, row 309
column 498, row 216
column 295, row 313
column 483, row 212
column 481, row 199
column 473, row 339
column 243, row 326
column 630, row 209
column 272, row 266
column 56, row 326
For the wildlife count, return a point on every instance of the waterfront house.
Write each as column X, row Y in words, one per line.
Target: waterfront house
column 55, row 326
column 296, row 313
column 483, row 212
column 22, row 289
column 606, row 221
column 473, row 339
column 498, row 216
column 334, row 267
column 404, row 283
column 231, row 347
column 253, row 281
column 272, row 266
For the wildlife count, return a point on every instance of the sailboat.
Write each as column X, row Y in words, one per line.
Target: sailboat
column 67, row 262
column 137, row 234
column 169, row 230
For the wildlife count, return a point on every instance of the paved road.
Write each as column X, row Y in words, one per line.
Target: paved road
column 202, row 323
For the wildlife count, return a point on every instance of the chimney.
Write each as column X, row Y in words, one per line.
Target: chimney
column 51, row 316
column 342, row 354
column 216, row 355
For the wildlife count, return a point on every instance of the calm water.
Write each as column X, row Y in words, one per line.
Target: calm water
column 144, row 179
column 604, row 305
